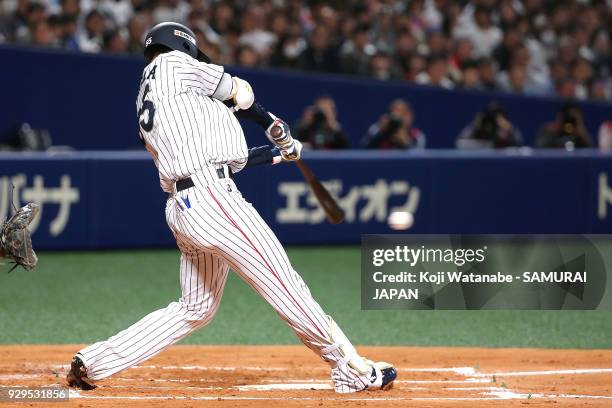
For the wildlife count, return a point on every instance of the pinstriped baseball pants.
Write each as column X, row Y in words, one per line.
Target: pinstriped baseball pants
column 215, row 229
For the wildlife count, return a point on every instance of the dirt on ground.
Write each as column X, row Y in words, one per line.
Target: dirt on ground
column 282, row 376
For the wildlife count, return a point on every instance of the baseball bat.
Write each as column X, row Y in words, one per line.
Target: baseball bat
column 332, row 210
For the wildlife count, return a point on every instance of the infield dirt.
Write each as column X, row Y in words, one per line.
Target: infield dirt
column 281, row 376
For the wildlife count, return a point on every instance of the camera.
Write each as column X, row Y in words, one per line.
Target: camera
column 569, row 123
column 318, row 116
column 395, row 123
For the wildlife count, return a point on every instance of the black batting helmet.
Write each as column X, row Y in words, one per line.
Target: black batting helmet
column 176, row 37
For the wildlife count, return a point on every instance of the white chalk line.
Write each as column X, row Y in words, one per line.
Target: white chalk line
column 76, row 394
column 547, row 372
column 8, row 377
column 158, row 387
column 218, row 368
column 507, row 394
column 493, row 395
column 467, row 381
column 283, row 387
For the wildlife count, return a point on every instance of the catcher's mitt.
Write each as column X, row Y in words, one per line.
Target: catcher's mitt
column 15, row 240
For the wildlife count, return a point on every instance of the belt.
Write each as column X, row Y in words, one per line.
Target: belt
column 184, row 184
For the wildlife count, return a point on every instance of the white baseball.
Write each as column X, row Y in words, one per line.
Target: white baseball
column 400, row 220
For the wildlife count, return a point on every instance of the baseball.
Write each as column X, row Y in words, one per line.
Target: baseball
column 400, row 220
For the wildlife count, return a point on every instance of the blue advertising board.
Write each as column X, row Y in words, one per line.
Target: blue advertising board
column 113, row 199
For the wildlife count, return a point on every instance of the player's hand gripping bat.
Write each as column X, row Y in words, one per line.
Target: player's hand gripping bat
column 332, row 210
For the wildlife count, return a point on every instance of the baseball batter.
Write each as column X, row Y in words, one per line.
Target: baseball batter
column 187, row 111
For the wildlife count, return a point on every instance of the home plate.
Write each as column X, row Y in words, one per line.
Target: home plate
column 284, row 387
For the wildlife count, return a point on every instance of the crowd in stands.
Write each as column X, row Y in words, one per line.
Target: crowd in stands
column 540, row 47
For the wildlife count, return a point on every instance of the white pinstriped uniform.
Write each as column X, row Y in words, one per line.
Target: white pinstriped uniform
column 191, row 134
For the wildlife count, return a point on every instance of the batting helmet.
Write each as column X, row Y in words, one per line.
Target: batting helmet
column 176, row 37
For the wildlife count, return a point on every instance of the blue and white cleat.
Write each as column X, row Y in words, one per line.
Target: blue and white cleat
column 383, row 375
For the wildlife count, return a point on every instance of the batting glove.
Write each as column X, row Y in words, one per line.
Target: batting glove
column 293, row 152
column 279, row 133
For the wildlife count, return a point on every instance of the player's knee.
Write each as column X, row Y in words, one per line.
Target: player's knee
column 202, row 312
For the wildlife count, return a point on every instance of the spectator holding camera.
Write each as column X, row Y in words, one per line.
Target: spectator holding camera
column 319, row 127
column 566, row 132
column 490, row 129
column 395, row 130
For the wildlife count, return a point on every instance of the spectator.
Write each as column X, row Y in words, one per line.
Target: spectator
column 436, row 73
column 137, row 27
column 170, row 10
column 395, row 130
column 355, row 54
column 566, row 132
column 470, row 78
column 605, row 135
column 319, row 127
column 119, row 11
column 416, row 65
column 35, row 15
column 566, row 87
column 490, row 129
column 320, row 55
column 462, row 53
column 71, row 7
column 503, row 52
column 212, row 48
column 253, row 33
column 405, row 46
column 486, row 74
column 68, row 35
column 381, row 67
column 437, row 43
column 91, row 40
column 114, row 42
column 247, row 56
column 582, row 72
column 223, row 17
column 602, row 89
column 515, row 80
column 483, row 35
column 289, row 51
column 43, row 35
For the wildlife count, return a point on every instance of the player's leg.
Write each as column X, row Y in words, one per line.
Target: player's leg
column 237, row 231
column 203, row 277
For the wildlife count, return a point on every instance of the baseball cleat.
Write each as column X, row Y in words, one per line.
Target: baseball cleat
column 383, row 375
column 77, row 376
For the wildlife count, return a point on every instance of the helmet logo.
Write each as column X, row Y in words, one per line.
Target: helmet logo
column 183, row 34
column 149, row 41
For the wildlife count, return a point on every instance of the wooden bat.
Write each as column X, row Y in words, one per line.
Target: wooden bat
column 332, row 210
column 334, row 213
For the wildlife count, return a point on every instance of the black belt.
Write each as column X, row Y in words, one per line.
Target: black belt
column 186, row 183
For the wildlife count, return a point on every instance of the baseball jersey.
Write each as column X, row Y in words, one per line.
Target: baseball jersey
column 182, row 125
